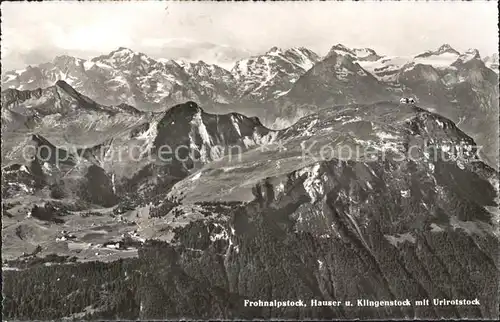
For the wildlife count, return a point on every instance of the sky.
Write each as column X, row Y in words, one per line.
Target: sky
column 36, row 32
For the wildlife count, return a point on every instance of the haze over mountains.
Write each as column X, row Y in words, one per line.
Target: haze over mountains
column 262, row 200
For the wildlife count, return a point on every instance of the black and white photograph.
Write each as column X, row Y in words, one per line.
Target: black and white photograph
column 250, row 160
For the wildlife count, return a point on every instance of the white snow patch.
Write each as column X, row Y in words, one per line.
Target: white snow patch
column 406, row 237
column 269, row 75
column 440, row 123
column 235, row 124
column 281, row 93
column 257, row 139
column 206, row 84
column 442, row 60
column 113, row 182
column 354, row 119
column 88, row 64
column 385, row 69
column 435, row 228
column 248, row 142
column 202, row 130
column 468, row 55
column 242, row 68
column 280, row 187
column 222, row 235
column 197, row 125
column 386, row 136
column 102, row 65
column 196, row 176
column 113, row 246
column 307, row 131
column 148, row 137
column 362, row 52
column 305, row 62
column 25, row 188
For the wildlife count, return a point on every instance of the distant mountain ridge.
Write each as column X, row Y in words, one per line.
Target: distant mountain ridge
column 270, row 75
column 125, row 76
column 246, row 226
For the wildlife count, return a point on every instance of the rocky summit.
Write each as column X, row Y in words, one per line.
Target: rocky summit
column 284, row 188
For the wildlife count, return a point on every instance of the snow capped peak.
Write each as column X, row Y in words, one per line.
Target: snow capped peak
column 340, row 49
column 438, row 59
column 301, row 51
column 357, row 54
column 447, row 48
column 364, row 52
column 274, row 51
column 272, row 74
column 174, row 63
column 180, row 62
column 66, row 60
column 124, row 51
column 121, row 52
column 124, row 58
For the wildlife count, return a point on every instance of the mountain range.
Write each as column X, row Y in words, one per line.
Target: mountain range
column 280, row 86
column 133, row 77
column 134, row 188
